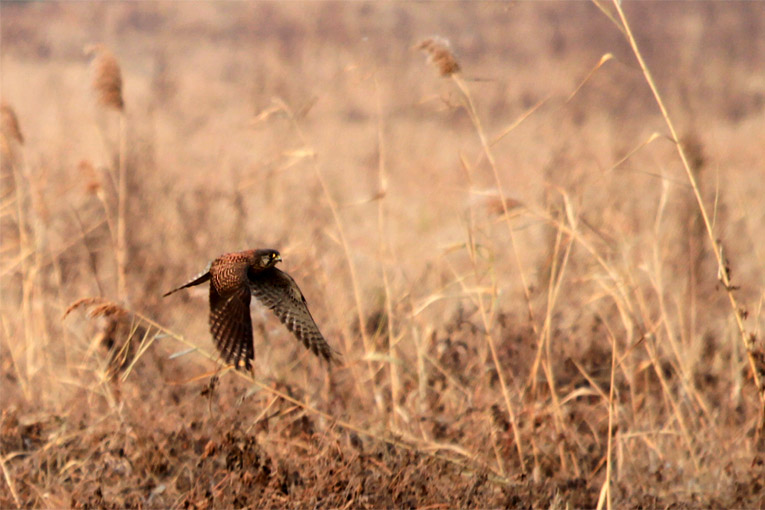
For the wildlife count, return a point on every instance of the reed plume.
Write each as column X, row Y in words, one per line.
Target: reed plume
column 107, row 85
column 107, row 77
column 440, row 55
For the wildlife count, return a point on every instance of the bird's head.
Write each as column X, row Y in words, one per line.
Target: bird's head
column 266, row 258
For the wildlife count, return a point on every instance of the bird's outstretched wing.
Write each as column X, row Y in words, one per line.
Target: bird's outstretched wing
column 231, row 326
column 277, row 290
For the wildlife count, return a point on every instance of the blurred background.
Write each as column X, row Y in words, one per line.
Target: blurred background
column 476, row 290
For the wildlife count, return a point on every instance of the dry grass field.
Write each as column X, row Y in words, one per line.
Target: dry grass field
column 547, row 291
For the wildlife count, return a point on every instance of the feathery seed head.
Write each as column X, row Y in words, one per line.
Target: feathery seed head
column 97, row 307
column 440, row 55
column 107, row 76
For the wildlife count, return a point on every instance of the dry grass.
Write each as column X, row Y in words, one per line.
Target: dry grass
column 545, row 273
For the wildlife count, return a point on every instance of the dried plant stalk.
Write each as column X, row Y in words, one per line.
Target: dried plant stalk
column 440, row 55
column 107, row 85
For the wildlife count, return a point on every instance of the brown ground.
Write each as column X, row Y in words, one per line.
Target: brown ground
column 516, row 355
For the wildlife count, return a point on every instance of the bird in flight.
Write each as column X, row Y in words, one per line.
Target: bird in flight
column 233, row 278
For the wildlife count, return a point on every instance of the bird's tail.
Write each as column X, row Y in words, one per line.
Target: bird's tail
column 196, row 281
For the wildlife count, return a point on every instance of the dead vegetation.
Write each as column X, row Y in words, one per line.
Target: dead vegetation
column 542, row 299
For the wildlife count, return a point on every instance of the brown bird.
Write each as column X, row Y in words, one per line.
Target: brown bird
column 233, row 277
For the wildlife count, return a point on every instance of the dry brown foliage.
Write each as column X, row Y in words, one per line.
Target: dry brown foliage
column 515, row 267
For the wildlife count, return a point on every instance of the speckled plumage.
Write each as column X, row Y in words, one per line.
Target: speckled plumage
column 234, row 277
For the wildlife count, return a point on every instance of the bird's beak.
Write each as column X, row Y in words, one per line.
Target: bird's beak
column 278, row 258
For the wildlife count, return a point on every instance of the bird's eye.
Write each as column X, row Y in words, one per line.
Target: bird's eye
column 273, row 256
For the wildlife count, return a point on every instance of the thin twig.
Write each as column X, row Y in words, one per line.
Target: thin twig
column 384, row 251
column 122, row 212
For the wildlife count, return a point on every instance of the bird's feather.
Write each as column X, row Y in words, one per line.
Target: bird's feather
column 231, row 326
column 277, row 290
